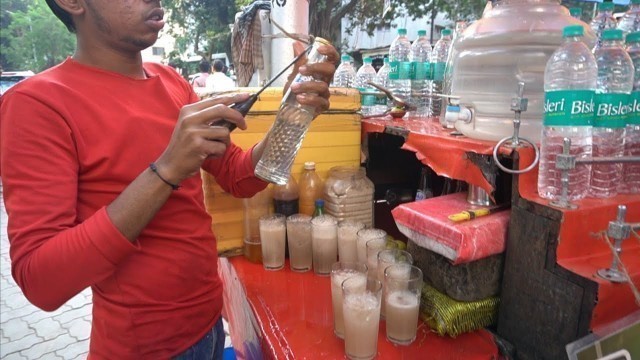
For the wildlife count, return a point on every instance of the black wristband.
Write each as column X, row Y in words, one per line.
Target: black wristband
column 154, row 168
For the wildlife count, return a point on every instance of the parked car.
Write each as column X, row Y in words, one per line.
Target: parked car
column 10, row 78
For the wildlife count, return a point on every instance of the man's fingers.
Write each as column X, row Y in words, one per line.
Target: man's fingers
column 321, row 71
column 320, row 103
column 226, row 99
column 213, row 114
column 330, row 52
column 316, row 87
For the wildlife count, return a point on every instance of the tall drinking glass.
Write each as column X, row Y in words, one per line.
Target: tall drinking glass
column 403, row 284
column 387, row 258
column 361, row 311
column 347, row 240
column 374, row 246
column 299, row 239
column 324, row 239
column 340, row 271
column 365, row 235
column 273, row 233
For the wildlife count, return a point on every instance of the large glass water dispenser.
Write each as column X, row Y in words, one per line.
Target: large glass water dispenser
column 511, row 43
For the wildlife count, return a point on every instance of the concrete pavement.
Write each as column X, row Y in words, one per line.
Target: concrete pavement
column 28, row 333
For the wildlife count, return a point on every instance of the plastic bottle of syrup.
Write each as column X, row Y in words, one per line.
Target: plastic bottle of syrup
column 310, row 188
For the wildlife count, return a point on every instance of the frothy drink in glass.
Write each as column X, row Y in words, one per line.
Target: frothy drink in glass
column 387, row 258
column 299, row 239
column 324, row 238
column 365, row 235
column 374, row 246
column 340, row 271
column 361, row 310
column 403, row 285
column 402, row 310
column 272, row 235
column 347, row 240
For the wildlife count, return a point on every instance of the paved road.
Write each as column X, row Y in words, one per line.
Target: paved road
column 29, row 333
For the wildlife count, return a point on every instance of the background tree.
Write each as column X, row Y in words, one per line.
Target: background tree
column 32, row 37
column 202, row 25
column 325, row 16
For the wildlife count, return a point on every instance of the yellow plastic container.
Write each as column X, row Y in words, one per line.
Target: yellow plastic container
column 332, row 140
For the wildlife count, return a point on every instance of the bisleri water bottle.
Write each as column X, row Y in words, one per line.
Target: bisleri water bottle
column 570, row 79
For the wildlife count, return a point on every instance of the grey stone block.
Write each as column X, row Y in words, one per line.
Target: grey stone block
column 472, row 281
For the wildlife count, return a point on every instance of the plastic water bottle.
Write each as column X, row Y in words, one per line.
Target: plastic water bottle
column 576, row 12
column 631, row 171
column 439, row 58
column 382, row 79
column 345, row 74
column 420, row 61
column 630, row 21
column 602, row 21
column 570, row 80
column 365, row 74
column 400, row 74
column 615, row 82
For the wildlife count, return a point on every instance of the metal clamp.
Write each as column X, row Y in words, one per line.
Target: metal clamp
column 618, row 230
column 566, row 162
column 518, row 104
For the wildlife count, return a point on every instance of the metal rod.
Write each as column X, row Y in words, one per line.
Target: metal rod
column 609, row 159
column 283, row 70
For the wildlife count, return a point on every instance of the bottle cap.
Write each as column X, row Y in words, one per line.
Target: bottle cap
column 367, row 60
column 572, row 30
column 386, row 60
column 402, row 31
column 612, row 34
column 319, row 202
column 345, row 58
column 635, row 2
column 576, row 11
column 604, row 6
column 424, row 32
column 309, row 165
column 633, row 37
column 446, row 32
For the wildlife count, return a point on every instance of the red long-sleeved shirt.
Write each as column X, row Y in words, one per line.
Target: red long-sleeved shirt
column 71, row 139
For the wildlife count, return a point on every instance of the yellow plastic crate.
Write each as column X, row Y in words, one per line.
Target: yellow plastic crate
column 332, row 140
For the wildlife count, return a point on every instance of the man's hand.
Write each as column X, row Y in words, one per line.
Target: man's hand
column 194, row 139
column 314, row 93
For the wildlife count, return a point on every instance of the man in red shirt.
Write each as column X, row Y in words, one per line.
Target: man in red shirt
column 85, row 206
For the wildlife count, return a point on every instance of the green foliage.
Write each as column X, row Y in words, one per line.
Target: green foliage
column 325, row 15
column 202, row 24
column 32, row 37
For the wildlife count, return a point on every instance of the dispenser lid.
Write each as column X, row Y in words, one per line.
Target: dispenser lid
column 572, row 30
column 633, row 37
column 367, row 60
column 605, row 6
column 446, row 32
column 576, row 11
column 424, row 32
column 612, row 34
column 309, row 165
column 402, row 31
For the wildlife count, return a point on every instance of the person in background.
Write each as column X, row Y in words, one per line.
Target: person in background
column 102, row 184
column 219, row 81
column 200, row 80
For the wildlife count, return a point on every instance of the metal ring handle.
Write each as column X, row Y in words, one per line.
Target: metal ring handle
column 511, row 171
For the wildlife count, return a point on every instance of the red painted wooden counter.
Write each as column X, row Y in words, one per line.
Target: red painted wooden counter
column 287, row 315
